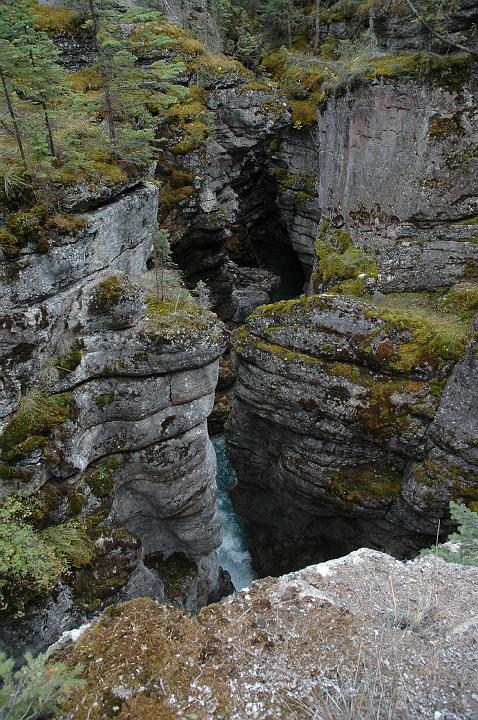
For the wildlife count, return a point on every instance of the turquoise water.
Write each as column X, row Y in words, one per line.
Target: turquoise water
column 233, row 554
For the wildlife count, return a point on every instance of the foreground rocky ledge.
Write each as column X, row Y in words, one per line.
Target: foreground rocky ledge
column 362, row 629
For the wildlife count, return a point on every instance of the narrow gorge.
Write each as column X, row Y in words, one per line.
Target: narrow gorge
column 239, row 316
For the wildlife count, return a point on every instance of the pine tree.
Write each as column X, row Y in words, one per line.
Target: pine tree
column 162, row 256
column 34, row 72
column 203, row 295
column 317, row 27
column 130, row 126
column 9, row 58
column 105, row 56
column 282, row 16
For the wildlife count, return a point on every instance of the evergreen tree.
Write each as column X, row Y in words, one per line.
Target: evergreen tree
column 316, row 27
column 32, row 71
column 283, row 17
column 130, row 126
column 9, row 59
column 203, row 295
column 162, row 256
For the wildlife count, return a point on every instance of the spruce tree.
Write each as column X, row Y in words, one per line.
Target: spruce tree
column 34, row 72
column 162, row 256
column 9, row 58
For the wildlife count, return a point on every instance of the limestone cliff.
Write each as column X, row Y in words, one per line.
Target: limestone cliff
column 105, row 452
column 345, row 428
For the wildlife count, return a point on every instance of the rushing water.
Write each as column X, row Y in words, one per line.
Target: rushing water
column 233, row 554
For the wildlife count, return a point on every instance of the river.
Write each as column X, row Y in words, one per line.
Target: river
column 234, row 553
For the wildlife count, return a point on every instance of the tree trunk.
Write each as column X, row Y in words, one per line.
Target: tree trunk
column 49, row 131
column 317, row 27
column 290, row 12
column 105, row 80
column 14, row 119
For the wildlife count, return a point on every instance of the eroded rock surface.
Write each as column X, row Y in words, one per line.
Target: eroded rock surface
column 105, row 406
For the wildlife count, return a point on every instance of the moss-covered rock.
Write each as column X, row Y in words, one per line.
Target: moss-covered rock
column 100, row 478
column 29, row 428
column 341, row 266
column 366, row 484
column 176, row 571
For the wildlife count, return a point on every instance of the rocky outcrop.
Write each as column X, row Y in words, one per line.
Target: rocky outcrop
column 343, row 430
column 213, row 224
column 105, row 445
column 338, row 428
column 398, row 172
column 363, row 632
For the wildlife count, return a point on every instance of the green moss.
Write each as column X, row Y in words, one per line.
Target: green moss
column 445, row 69
column 339, row 259
column 351, row 288
column 167, row 318
column 441, row 126
column 460, row 482
column 111, row 291
column 288, row 307
column 362, row 483
column 25, row 447
column 433, row 334
column 101, row 480
column 85, row 80
column 8, row 243
column 469, row 221
column 378, row 410
column 105, row 399
column 257, row 86
column 174, row 571
column 462, row 299
column 55, row 19
column 195, row 133
column 24, row 225
column 102, row 580
column 304, row 112
column 279, row 351
column 71, row 360
column 75, row 502
column 300, row 183
column 171, row 198
column 34, row 420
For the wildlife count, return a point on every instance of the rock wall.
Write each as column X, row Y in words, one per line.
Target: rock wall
column 398, row 170
column 105, row 406
column 345, row 429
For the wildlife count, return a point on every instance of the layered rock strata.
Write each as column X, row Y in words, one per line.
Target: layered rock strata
column 345, row 428
column 343, row 431
column 105, row 442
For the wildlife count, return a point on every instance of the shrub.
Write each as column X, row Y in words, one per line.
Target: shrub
column 462, row 546
column 32, row 561
column 37, row 690
column 25, row 561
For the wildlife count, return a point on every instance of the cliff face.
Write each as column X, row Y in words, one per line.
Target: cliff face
column 359, row 634
column 398, row 169
column 345, row 428
column 211, row 223
column 105, row 409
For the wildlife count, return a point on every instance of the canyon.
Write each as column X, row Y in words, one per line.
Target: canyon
column 337, row 356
